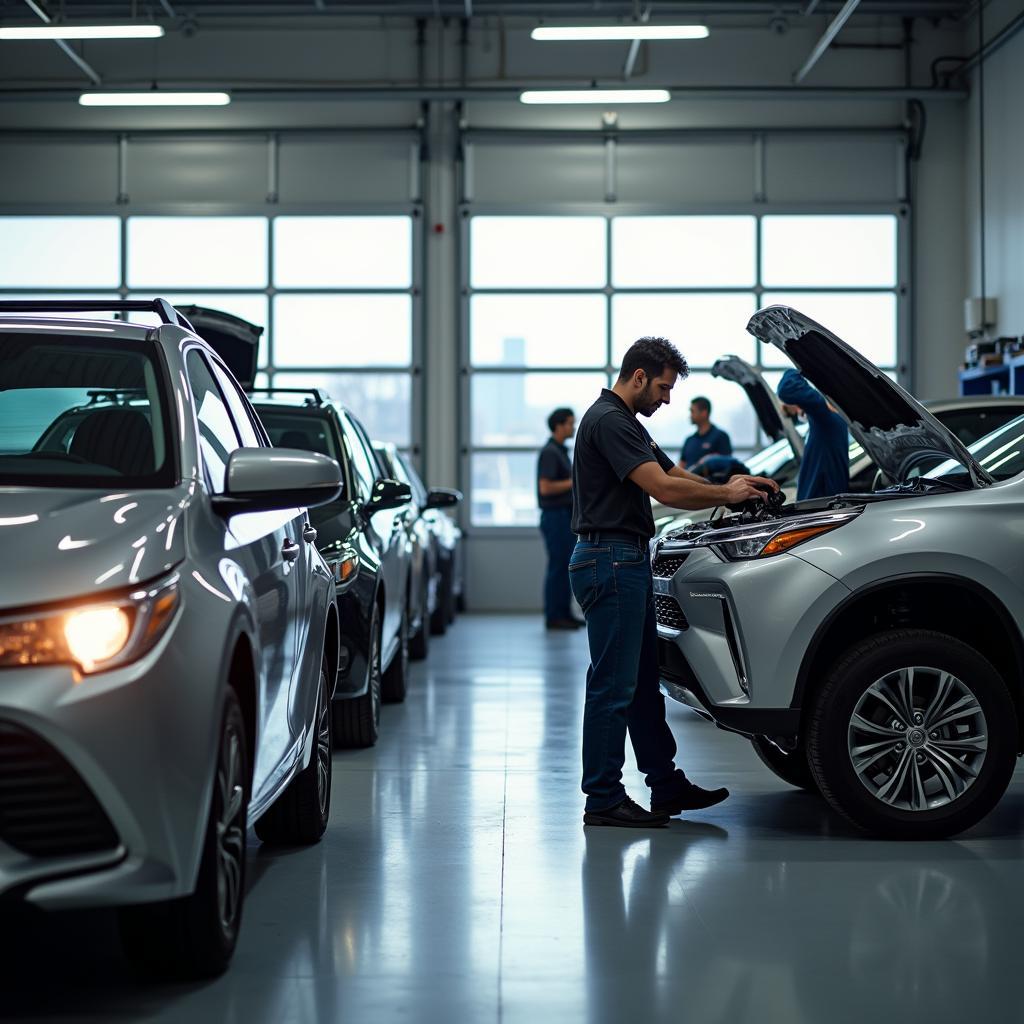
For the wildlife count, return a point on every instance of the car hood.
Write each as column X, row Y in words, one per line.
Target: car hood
column 897, row 431
column 774, row 422
column 62, row 544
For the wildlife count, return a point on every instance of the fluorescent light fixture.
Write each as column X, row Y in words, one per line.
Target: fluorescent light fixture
column 607, row 97
column 592, row 32
column 154, row 98
column 83, row 32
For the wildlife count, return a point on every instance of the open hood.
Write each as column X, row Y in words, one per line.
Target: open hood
column 774, row 422
column 899, row 434
column 235, row 340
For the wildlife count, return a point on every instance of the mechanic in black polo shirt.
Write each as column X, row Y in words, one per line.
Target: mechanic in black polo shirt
column 617, row 469
column 554, row 496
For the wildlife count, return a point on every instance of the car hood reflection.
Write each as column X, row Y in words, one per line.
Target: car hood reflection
column 89, row 541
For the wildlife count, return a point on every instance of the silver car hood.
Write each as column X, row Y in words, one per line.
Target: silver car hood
column 774, row 422
column 60, row 545
column 894, row 428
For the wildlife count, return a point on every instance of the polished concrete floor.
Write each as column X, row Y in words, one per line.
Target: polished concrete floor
column 457, row 884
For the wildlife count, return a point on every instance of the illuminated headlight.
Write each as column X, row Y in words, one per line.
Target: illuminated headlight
column 94, row 637
column 767, row 539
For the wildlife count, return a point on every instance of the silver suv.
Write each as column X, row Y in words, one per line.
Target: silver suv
column 868, row 644
column 168, row 633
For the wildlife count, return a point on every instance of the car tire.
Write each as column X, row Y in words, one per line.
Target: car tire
column 928, row 777
column 195, row 936
column 790, row 767
column 356, row 721
column 443, row 613
column 396, row 678
column 419, row 642
column 299, row 816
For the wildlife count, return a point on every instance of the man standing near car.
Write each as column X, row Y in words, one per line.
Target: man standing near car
column 708, row 440
column 825, row 465
column 554, row 496
column 617, row 469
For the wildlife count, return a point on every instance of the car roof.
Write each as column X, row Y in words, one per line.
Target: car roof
column 120, row 329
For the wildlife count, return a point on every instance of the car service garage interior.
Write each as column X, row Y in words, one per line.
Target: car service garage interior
column 511, row 511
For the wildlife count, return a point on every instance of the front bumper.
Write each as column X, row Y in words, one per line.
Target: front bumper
column 732, row 635
column 119, row 768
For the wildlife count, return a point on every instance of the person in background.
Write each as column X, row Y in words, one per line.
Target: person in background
column 554, row 495
column 825, row 467
column 708, row 440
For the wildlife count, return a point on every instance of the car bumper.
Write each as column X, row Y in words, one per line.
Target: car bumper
column 731, row 636
column 127, row 757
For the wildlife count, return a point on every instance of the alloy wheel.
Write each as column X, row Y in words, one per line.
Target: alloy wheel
column 323, row 745
column 230, row 830
column 375, row 673
column 917, row 738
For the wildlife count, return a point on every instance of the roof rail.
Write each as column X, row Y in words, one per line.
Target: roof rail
column 319, row 396
column 167, row 313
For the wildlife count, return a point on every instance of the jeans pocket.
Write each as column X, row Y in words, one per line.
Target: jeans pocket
column 583, row 582
column 627, row 556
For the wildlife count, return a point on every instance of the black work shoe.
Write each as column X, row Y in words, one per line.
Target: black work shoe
column 685, row 795
column 560, row 624
column 626, row 814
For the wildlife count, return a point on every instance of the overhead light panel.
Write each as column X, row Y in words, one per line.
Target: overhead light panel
column 574, row 33
column 154, row 98
column 606, row 97
column 83, row 32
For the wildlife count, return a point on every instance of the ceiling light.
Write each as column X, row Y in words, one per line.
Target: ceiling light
column 83, row 32
column 154, row 98
column 592, row 32
column 601, row 96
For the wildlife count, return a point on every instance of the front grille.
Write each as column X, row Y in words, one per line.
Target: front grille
column 667, row 566
column 669, row 613
column 46, row 810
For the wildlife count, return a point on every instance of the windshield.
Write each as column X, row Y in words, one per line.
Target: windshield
column 77, row 411
column 1001, row 453
column 777, row 459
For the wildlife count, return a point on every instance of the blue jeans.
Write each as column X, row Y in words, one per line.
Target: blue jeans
column 556, row 525
column 612, row 583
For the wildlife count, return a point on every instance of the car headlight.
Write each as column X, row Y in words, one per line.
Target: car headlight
column 767, row 539
column 95, row 636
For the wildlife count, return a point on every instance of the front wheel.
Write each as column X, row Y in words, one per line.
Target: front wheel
column 790, row 767
column 396, row 678
column 913, row 735
column 356, row 720
column 298, row 817
column 195, row 936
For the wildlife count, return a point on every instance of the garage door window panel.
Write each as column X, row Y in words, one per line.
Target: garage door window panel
column 60, row 252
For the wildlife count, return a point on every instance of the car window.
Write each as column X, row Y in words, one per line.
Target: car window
column 971, row 425
column 217, row 435
column 408, row 475
column 363, row 464
column 238, row 407
column 1001, row 453
column 78, row 411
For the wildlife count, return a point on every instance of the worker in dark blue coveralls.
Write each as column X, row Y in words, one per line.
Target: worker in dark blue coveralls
column 708, row 440
column 825, row 466
column 617, row 469
column 554, row 496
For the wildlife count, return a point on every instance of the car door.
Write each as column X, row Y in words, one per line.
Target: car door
column 256, row 547
column 384, row 529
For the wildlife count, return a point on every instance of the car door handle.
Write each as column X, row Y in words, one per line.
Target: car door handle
column 309, row 533
column 290, row 551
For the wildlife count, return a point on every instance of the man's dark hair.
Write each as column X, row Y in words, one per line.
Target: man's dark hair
column 558, row 417
column 702, row 403
column 652, row 355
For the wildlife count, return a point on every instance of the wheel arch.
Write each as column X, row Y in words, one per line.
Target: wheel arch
column 950, row 604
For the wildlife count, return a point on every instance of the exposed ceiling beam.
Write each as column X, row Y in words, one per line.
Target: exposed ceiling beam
column 80, row 62
column 634, row 46
column 825, row 41
column 168, row 9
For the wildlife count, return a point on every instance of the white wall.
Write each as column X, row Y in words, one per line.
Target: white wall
column 506, row 573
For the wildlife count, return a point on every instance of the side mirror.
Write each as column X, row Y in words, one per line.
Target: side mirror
column 265, row 479
column 388, row 494
column 443, row 497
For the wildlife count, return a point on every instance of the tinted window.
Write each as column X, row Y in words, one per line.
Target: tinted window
column 1001, row 453
column 239, row 409
column 363, row 462
column 80, row 411
column 217, row 436
column 971, row 425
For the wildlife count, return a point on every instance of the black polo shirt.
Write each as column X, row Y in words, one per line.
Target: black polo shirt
column 610, row 444
column 553, row 464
